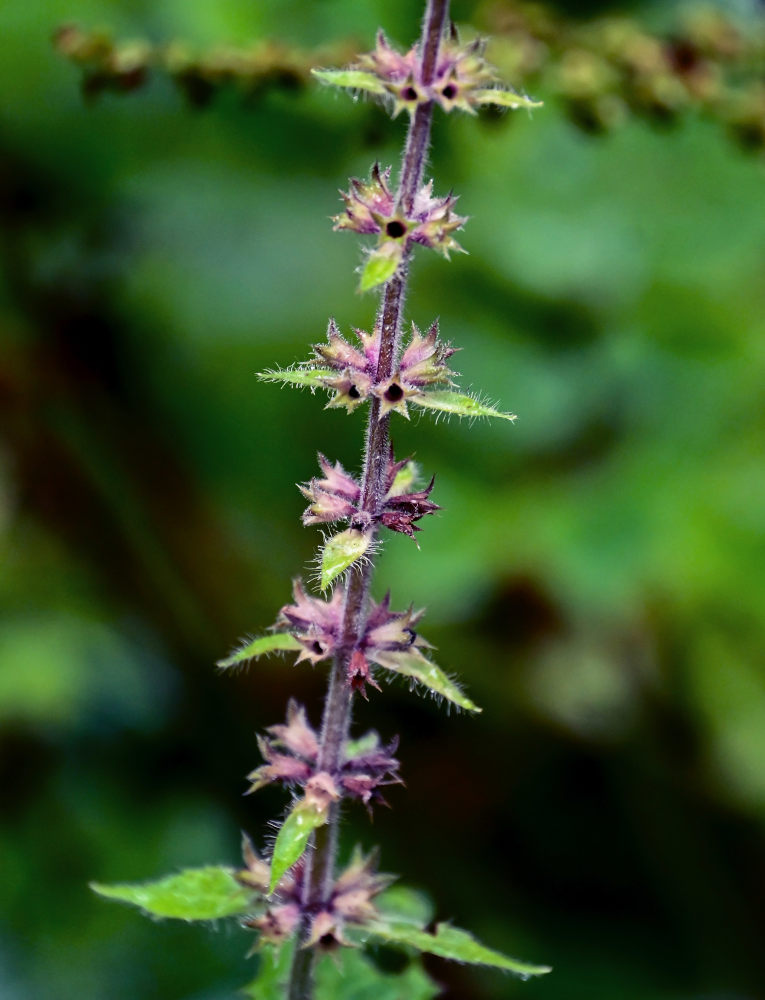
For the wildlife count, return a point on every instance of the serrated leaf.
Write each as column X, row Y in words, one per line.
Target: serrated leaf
column 400, row 904
column 380, row 266
column 349, row 974
column 352, row 78
column 311, row 378
column 275, row 642
column 411, row 663
column 195, row 894
column 273, row 973
column 455, row 944
column 341, row 551
column 293, row 837
column 503, row 99
column 458, row 403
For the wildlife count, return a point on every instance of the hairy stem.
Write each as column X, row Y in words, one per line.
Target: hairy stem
column 320, row 863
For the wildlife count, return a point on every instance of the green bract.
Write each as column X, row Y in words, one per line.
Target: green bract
column 293, row 836
column 340, row 552
column 414, row 665
column 381, row 265
column 504, row 99
column 276, row 642
column 458, row 404
column 313, row 378
column 350, row 78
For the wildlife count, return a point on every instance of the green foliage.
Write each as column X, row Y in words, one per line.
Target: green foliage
column 380, row 266
column 617, row 304
column 421, row 670
column 458, row 404
column 400, row 904
column 347, row 974
column 340, row 552
column 293, row 837
column 272, row 643
column 351, row 78
column 504, row 99
column 455, row 944
column 366, row 742
column 312, row 378
column 352, row 975
column 405, row 479
column 195, row 894
column 273, row 972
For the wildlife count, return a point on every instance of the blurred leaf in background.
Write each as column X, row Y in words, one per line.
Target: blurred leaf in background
column 596, row 578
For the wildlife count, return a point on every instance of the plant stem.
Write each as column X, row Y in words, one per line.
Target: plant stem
column 320, row 863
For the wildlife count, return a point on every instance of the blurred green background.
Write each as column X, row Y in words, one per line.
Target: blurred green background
column 597, row 577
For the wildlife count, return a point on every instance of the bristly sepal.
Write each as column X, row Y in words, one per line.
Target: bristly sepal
column 350, row 903
column 423, row 672
column 315, row 623
column 342, row 552
column 291, row 753
column 459, row 404
column 423, row 363
column 337, row 497
column 368, row 204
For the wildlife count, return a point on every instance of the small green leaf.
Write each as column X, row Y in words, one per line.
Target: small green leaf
column 293, row 837
column 354, row 748
column 340, row 552
column 458, row 403
column 195, row 894
column 273, row 972
column 405, row 480
column 381, row 265
column 275, row 642
column 503, row 99
column 455, row 944
column 400, row 904
column 349, row 974
column 411, row 663
column 353, row 78
column 313, row 378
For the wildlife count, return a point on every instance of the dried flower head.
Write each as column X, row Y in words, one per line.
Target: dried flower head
column 291, row 757
column 350, row 902
column 337, row 496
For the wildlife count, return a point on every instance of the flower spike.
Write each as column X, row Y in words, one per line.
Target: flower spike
column 294, row 898
column 424, row 360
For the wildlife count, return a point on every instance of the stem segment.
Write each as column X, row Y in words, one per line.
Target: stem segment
column 320, row 863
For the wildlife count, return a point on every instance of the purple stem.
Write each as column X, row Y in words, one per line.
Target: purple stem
column 320, row 863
